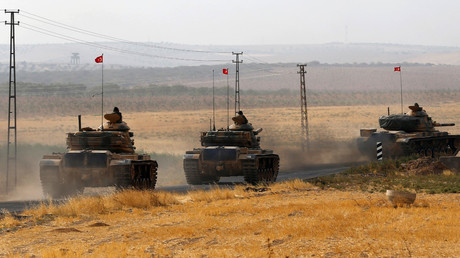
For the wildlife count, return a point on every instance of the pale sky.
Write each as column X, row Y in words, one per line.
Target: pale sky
column 242, row 22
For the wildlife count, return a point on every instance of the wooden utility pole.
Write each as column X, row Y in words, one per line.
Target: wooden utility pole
column 303, row 107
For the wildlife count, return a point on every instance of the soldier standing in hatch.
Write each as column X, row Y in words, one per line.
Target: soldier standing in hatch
column 117, row 111
column 241, row 118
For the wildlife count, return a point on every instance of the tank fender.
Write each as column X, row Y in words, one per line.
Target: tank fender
column 50, row 162
column 247, row 156
column 120, row 162
column 192, row 156
column 404, row 140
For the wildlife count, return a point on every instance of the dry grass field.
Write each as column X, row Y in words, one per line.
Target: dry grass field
column 289, row 219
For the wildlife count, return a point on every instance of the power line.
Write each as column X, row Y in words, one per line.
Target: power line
column 94, row 34
column 92, row 44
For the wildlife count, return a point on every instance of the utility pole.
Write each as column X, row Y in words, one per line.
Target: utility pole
column 237, row 81
column 303, row 107
column 11, row 162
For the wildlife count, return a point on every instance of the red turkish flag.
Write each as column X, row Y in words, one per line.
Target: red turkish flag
column 99, row 59
column 225, row 71
column 398, row 69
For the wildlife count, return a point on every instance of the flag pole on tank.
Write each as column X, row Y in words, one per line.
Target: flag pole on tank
column 100, row 59
column 225, row 71
column 398, row 69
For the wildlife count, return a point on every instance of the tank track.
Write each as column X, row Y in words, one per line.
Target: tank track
column 140, row 175
column 263, row 169
column 432, row 147
column 144, row 174
column 54, row 187
column 122, row 176
column 193, row 175
column 51, row 184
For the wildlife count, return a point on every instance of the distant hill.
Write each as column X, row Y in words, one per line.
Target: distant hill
column 52, row 57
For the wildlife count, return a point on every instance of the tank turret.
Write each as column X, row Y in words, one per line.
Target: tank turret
column 114, row 137
column 416, row 120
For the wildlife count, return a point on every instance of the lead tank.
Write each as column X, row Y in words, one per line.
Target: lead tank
column 97, row 158
column 232, row 152
column 409, row 134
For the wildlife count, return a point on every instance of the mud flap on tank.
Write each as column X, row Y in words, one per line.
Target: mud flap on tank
column 262, row 169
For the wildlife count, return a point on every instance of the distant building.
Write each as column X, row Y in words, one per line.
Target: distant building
column 75, row 58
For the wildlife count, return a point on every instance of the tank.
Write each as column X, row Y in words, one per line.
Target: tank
column 414, row 133
column 97, row 158
column 231, row 152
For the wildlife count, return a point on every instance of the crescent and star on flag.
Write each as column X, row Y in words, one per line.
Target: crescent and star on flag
column 99, row 59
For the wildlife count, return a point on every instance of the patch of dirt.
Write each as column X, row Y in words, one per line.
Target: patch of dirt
column 424, row 166
column 65, row 230
column 99, row 224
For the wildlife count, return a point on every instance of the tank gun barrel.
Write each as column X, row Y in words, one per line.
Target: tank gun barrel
column 443, row 124
column 256, row 132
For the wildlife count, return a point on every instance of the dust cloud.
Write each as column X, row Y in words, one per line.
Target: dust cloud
column 320, row 152
column 28, row 186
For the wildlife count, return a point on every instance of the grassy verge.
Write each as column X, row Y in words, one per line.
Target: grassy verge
column 288, row 219
column 390, row 174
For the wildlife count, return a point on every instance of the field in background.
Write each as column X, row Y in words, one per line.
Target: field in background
column 177, row 131
column 180, row 98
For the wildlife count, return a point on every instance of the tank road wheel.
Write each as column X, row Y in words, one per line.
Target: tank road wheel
column 51, row 183
column 453, row 150
column 261, row 170
column 429, row 152
column 193, row 174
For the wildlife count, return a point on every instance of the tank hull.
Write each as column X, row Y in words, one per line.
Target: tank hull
column 208, row 165
column 66, row 174
column 400, row 144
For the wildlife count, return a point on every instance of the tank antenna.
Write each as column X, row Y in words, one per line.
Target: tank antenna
column 79, row 123
column 213, row 104
column 228, row 101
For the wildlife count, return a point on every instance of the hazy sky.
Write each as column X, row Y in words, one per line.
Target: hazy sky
column 236, row 22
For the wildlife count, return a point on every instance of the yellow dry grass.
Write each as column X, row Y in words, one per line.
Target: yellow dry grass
column 177, row 131
column 290, row 219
